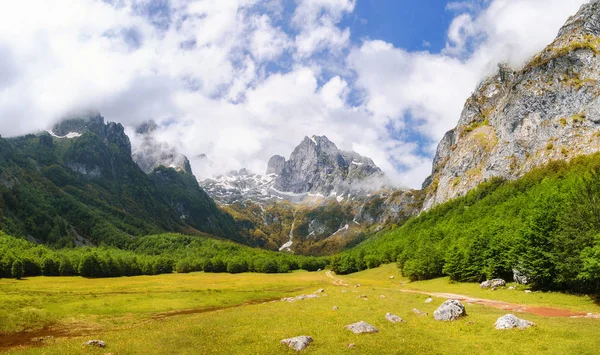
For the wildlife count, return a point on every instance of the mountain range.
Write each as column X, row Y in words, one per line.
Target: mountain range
column 82, row 182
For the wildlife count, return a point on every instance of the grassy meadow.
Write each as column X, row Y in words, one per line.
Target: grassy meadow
column 201, row 313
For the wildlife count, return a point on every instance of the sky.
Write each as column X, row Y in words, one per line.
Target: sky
column 242, row 80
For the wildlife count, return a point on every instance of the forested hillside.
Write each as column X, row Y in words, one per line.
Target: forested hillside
column 87, row 190
column 147, row 255
column 545, row 225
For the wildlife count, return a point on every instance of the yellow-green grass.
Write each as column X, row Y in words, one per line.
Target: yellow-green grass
column 40, row 301
column 258, row 328
column 381, row 277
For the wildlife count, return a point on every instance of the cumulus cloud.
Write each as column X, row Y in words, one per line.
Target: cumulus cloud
column 426, row 91
column 241, row 80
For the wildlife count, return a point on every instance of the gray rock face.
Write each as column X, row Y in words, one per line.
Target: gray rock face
column 493, row 283
column 276, row 164
column 362, row 328
column 318, row 167
column 517, row 120
column 510, row 321
column 149, row 154
column 450, row 310
column 298, row 343
column 520, row 277
column 393, row 318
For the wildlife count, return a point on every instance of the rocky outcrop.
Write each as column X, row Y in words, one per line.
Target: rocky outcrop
column 493, row 283
column 520, row 119
column 298, row 343
column 362, row 328
column 96, row 343
column 149, row 153
column 450, row 310
column 510, row 321
column 318, row 167
column 520, row 278
column 275, row 165
column 393, row 318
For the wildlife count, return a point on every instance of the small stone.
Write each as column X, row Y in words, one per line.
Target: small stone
column 363, row 297
column 527, row 291
column 357, row 285
column 98, row 343
column 335, row 308
column 318, row 270
column 450, row 310
column 320, row 290
column 298, row 343
column 393, row 318
column 429, row 300
column 391, row 277
column 512, row 288
column 419, row 313
column 350, row 346
column 362, row 328
column 511, row 321
column 344, row 291
column 381, row 296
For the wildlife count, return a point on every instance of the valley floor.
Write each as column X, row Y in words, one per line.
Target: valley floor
column 242, row 314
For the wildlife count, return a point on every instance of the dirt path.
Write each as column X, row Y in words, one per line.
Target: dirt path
column 336, row 280
column 512, row 307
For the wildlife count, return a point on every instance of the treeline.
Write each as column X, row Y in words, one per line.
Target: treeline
column 546, row 225
column 150, row 255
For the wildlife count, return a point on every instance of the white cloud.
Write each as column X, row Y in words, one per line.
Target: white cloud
column 317, row 22
column 223, row 78
column 432, row 88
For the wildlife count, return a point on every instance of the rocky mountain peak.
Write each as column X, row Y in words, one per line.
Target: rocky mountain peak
column 585, row 21
column 275, row 165
column 317, row 166
column 110, row 133
column 517, row 120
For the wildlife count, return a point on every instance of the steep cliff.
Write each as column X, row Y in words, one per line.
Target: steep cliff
column 520, row 119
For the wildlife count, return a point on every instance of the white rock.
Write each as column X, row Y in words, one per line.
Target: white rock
column 362, row 328
column 298, row 343
column 393, row 318
column 98, row 343
column 495, row 283
column 429, row 300
column 511, row 321
column 450, row 310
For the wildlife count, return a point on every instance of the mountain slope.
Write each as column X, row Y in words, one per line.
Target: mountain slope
column 517, row 120
column 87, row 189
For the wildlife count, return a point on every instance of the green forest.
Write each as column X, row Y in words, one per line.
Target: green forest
column 545, row 225
column 149, row 255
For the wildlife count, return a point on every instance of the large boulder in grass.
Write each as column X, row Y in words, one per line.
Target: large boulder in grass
column 362, row 328
column 298, row 343
column 510, row 321
column 493, row 283
column 450, row 310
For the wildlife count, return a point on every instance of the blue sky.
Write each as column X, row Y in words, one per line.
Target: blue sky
column 404, row 23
